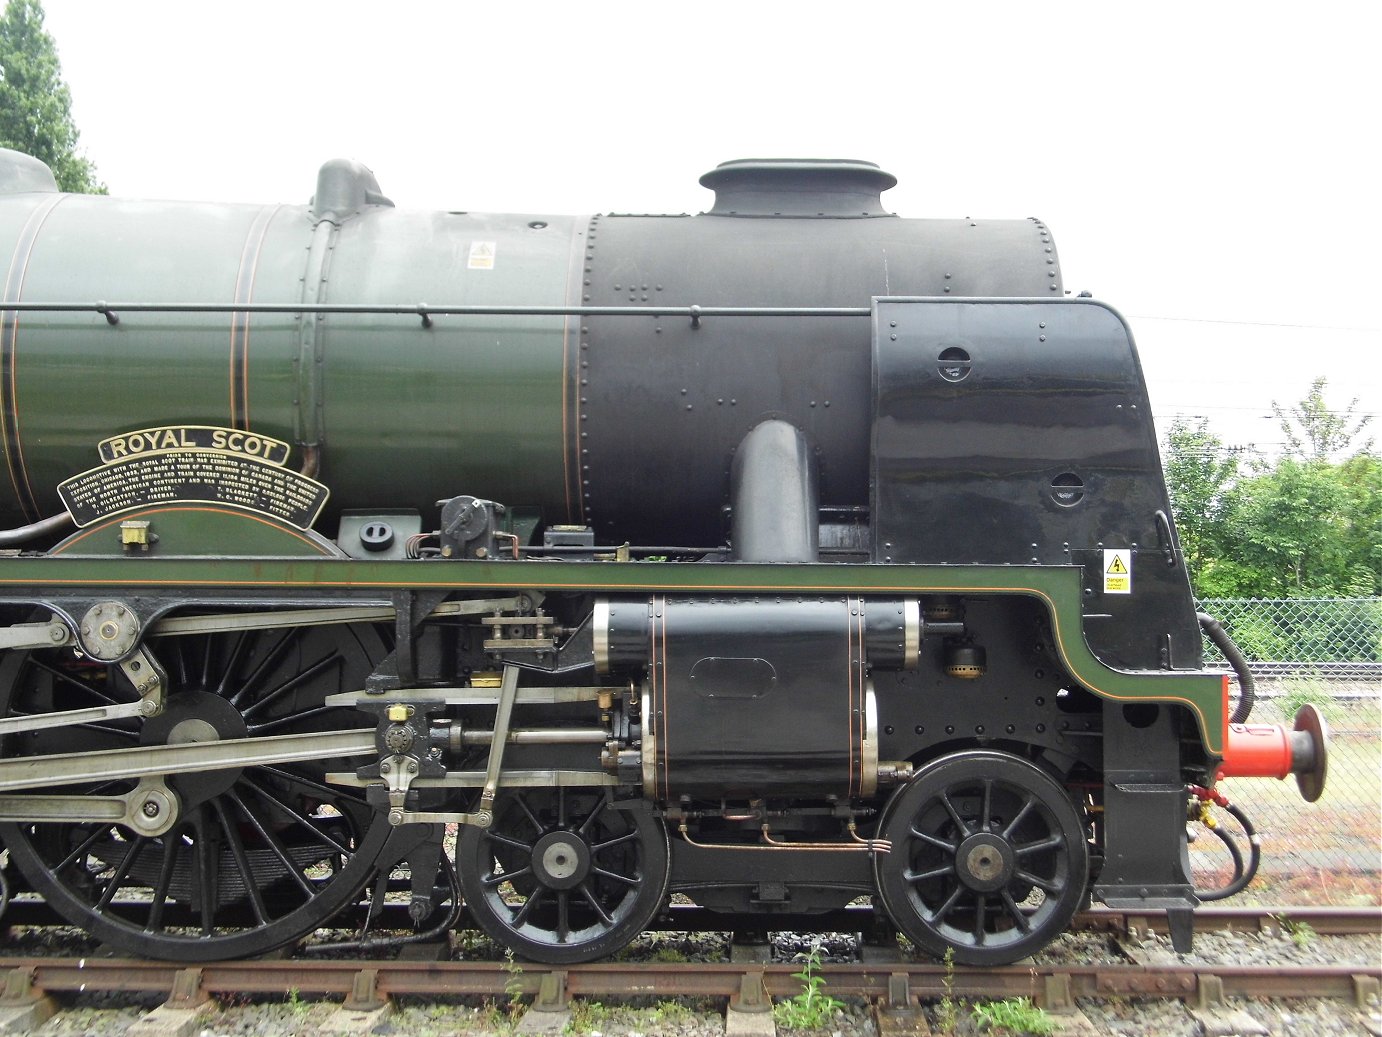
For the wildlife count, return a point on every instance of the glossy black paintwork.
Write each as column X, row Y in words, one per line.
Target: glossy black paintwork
column 663, row 405
column 1037, row 447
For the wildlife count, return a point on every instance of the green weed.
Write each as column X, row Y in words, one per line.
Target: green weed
column 813, row 1007
column 1016, row 1015
column 947, row 1011
column 586, row 1016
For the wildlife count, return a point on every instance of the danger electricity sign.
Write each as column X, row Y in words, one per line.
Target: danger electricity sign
column 1118, row 571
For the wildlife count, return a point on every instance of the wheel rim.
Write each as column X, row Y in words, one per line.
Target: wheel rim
column 989, row 858
column 259, row 856
column 564, row 875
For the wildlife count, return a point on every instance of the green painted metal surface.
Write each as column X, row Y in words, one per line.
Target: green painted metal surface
column 1057, row 587
column 473, row 402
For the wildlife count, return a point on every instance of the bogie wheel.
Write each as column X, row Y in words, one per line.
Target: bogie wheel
column 258, row 856
column 989, row 858
column 564, row 875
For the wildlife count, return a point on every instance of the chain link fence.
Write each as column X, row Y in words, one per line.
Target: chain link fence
column 1325, row 651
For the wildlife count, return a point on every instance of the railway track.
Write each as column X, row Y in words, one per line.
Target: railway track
column 365, row 990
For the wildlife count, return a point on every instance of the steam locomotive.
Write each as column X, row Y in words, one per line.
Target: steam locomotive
column 784, row 556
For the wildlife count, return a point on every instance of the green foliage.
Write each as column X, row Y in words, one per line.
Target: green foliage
column 513, row 986
column 669, row 956
column 296, row 1003
column 1200, row 473
column 1303, row 526
column 1302, row 934
column 1303, row 691
column 670, row 1011
column 813, row 1007
column 1314, row 432
column 947, row 1010
column 35, row 104
column 1305, row 630
column 1016, row 1015
column 586, row 1016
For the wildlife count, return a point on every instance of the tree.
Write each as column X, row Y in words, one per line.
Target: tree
column 1314, row 432
column 1302, row 525
column 35, row 104
column 1200, row 475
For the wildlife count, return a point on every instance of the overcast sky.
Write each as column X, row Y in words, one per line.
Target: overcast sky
column 1209, row 169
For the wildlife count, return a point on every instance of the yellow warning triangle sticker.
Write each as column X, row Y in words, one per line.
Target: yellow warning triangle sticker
column 1117, row 567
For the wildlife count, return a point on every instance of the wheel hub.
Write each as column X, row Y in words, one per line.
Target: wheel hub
column 197, row 716
column 561, row 860
column 984, row 862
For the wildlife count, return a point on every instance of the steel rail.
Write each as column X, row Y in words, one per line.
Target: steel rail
column 870, row 980
column 1326, row 921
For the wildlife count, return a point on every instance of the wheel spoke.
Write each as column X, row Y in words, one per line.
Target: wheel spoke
column 921, row 876
column 965, row 830
column 70, row 681
column 279, row 850
column 1019, row 916
column 981, row 904
column 590, row 818
column 122, row 871
column 81, row 850
column 207, row 650
column 527, row 810
column 493, row 880
column 206, row 873
column 522, row 916
column 1028, row 803
column 289, row 719
column 154, row 922
column 945, row 908
column 302, row 822
column 986, row 808
column 271, row 658
column 242, row 862
column 629, row 880
column 927, row 837
column 504, row 840
column 589, row 895
column 266, row 700
column 1049, row 885
column 618, row 840
column 232, row 663
column 1049, row 843
column 563, row 915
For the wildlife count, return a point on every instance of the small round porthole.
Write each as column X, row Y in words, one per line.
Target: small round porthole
column 1067, row 489
column 954, row 364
